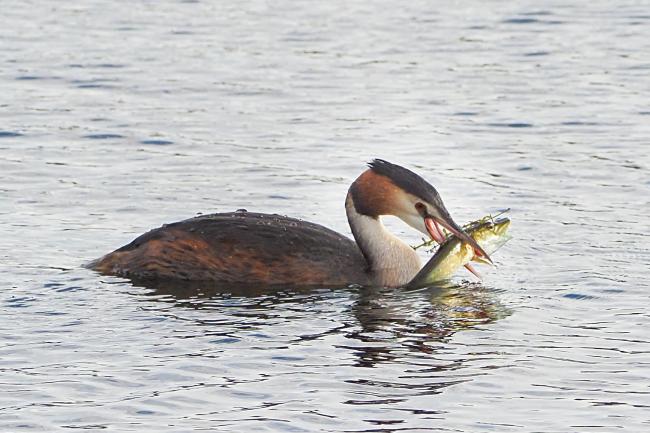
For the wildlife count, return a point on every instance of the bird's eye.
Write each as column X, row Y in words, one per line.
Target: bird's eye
column 421, row 208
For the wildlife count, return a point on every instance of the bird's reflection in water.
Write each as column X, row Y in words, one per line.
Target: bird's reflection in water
column 379, row 325
column 419, row 321
column 226, row 310
column 197, row 295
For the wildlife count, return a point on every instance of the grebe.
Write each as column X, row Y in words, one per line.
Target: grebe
column 261, row 249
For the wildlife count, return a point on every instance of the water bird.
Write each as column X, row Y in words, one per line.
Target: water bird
column 247, row 248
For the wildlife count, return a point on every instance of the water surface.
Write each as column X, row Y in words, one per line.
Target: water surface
column 115, row 119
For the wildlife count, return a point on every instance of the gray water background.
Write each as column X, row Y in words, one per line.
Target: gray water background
column 116, row 117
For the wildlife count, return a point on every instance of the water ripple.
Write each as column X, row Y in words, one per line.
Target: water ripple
column 276, row 109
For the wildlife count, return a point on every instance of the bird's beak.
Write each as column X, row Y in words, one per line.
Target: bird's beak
column 431, row 223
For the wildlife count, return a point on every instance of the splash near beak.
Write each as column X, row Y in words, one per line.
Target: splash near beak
column 435, row 232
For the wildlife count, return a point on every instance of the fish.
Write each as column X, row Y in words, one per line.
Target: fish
column 491, row 234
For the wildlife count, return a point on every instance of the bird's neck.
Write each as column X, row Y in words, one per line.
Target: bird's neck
column 391, row 262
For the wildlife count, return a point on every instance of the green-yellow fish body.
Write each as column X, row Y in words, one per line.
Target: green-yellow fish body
column 453, row 254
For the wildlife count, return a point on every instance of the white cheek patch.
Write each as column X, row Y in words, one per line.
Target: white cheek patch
column 405, row 210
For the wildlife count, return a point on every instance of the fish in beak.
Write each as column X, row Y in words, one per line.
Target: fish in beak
column 433, row 224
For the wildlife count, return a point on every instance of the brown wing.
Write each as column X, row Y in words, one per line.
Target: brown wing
column 243, row 248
